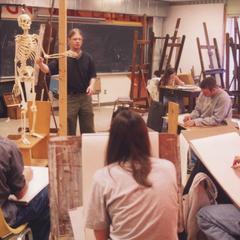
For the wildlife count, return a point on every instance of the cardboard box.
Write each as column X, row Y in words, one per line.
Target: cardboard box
column 13, row 105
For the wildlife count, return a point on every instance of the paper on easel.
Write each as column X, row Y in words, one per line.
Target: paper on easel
column 76, row 217
column 39, row 181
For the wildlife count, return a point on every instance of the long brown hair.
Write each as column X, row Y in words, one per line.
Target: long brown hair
column 129, row 141
column 166, row 76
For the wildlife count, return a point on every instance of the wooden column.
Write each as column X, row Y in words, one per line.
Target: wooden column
column 62, row 24
column 65, row 183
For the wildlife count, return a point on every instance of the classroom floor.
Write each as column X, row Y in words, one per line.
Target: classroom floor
column 102, row 118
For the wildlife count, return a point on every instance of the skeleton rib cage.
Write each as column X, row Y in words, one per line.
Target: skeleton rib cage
column 26, row 48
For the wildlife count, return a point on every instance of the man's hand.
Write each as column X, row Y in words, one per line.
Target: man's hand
column 189, row 123
column 43, row 67
column 187, row 118
column 28, row 173
column 89, row 90
column 39, row 61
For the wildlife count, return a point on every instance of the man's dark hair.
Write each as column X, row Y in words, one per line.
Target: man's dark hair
column 208, row 83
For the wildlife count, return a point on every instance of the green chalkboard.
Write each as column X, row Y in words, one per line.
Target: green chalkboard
column 109, row 45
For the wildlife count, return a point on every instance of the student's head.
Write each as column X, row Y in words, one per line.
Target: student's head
column 129, row 142
column 209, row 86
column 167, row 75
column 170, row 71
column 75, row 39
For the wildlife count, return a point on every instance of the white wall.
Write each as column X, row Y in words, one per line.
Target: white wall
column 192, row 18
column 114, row 86
column 158, row 32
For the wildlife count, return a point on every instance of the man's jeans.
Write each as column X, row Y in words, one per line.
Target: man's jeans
column 36, row 214
column 79, row 106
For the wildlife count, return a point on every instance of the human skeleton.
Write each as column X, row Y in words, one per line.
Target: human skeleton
column 28, row 49
column 25, row 55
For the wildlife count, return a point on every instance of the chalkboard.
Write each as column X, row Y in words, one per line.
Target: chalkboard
column 109, row 45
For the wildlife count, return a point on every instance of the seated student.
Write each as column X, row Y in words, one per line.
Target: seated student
column 14, row 179
column 170, row 78
column 220, row 222
column 135, row 195
column 213, row 106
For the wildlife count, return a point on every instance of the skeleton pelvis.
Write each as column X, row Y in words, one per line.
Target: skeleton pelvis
column 26, row 73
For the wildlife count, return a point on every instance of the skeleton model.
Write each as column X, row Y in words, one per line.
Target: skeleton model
column 28, row 49
column 25, row 55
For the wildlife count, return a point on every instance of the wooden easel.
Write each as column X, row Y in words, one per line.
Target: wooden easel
column 170, row 44
column 233, row 50
column 212, row 71
column 142, row 70
column 233, row 45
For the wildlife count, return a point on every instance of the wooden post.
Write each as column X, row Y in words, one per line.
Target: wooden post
column 173, row 111
column 62, row 68
column 65, row 180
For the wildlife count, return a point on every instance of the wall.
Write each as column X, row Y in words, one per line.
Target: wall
column 233, row 7
column 192, row 18
column 140, row 7
column 158, row 32
column 114, row 86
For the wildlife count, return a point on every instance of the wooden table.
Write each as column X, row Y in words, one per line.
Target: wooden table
column 216, row 148
column 191, row 94
column 35, row 153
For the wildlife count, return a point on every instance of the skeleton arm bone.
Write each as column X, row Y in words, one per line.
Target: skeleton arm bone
column 53, row 56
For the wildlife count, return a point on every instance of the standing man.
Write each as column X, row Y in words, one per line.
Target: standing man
column 81, row 76
column 213, row 106
column 14, row 179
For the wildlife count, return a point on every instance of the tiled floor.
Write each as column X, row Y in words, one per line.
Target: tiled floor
column 102, row 118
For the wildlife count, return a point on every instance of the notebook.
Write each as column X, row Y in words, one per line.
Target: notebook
column 39, row 181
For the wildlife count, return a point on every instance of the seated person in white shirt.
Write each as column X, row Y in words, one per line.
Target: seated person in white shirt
column 134, row 196
column 213, row 106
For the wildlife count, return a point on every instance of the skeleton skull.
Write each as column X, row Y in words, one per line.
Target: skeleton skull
column 24, row 21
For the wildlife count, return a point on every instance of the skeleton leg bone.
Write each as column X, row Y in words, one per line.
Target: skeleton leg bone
column 34, row 112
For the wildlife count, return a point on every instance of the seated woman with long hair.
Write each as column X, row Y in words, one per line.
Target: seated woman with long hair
column 170, row 78
column 134, row 196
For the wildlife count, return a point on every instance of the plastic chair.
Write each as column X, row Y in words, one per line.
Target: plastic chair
column 19, row 233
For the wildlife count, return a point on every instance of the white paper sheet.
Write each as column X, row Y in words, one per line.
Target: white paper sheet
column 184, row 149
column 217, row 154
column 39, row 181
column 76, row 217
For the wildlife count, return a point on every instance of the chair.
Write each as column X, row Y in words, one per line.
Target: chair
column 7, row 232
column 169, row 149
column 155, row 116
